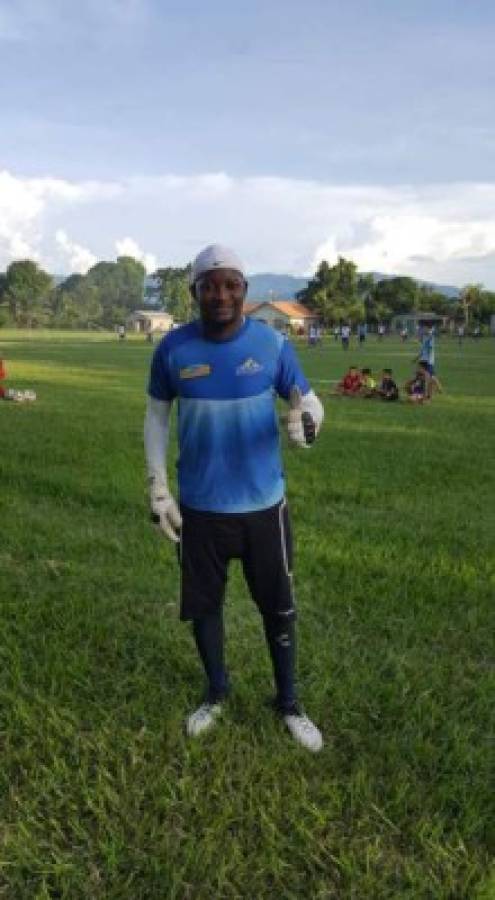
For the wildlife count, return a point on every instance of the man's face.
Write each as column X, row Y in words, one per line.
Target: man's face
column 220, row 294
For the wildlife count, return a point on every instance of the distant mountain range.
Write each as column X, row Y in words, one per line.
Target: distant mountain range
column 274, row 287
column 448, row 289
column 267, row 286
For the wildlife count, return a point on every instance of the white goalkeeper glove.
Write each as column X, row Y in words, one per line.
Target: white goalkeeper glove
column 165, row 513
column 304, row 419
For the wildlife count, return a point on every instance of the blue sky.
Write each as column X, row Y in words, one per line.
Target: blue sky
column 290, row 130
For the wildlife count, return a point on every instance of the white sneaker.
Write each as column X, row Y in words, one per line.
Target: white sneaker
column 304, row 731
column 203, row 718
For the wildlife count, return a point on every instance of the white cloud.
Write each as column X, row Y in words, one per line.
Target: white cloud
column 75, row 257
column 129, row 247
column 26, row 207
column 20, row 208
column 443, row 232
column 415, row 242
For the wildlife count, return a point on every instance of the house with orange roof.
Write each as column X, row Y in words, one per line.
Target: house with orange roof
column 282, row 314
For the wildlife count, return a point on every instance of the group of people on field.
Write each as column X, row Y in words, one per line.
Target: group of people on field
column 361, row 383
column 417, row 389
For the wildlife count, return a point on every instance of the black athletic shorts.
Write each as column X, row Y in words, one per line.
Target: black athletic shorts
column 261, row 540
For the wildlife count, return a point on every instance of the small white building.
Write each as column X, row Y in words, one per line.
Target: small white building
column 282, row 314
column 146, row 322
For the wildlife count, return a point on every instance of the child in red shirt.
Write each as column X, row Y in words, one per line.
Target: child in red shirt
column 350, row 384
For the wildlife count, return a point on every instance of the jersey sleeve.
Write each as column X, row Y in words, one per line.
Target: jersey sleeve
column 160, row 385
column 289, row 373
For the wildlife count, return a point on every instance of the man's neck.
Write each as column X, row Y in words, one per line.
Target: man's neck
column 221, row 332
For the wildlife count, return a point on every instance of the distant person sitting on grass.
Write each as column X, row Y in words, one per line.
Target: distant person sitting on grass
column 368, row 384
column 418, row 388
column 350, row 384
column 387, row 389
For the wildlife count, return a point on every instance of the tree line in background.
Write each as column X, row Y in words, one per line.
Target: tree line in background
column 110, row 291
column 103, row 298
column 340, row 293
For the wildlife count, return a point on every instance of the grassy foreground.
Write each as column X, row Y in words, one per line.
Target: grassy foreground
column 102, row 796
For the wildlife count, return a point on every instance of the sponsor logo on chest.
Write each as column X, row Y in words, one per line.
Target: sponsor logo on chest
column 198, row 370
column 249, row 367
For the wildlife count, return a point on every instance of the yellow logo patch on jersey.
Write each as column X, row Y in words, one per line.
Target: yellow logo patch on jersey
column 199, row 370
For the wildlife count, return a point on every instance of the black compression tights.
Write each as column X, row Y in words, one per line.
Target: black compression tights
column 280, row 635
column 209, row 636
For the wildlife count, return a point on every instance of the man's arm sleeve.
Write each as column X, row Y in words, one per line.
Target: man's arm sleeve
column 289, row 373
column 156, row 434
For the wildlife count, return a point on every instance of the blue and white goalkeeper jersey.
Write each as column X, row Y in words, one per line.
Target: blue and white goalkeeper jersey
column 229, row 448
column 427, row 352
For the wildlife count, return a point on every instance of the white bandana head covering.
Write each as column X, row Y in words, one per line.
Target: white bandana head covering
column 215, row 256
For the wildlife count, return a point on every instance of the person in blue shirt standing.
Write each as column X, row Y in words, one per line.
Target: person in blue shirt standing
column 427, row 356
column 427, row 352
column 225, row 372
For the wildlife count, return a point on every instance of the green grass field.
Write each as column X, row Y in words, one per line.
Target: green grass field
column 101, row 794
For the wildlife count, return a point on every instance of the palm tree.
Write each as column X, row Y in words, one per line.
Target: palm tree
column 470, row 296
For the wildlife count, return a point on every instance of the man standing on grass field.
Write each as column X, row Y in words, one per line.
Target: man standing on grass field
column 427, row 358
column 225, row 371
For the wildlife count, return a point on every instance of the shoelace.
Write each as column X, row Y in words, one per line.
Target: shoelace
column 305, row 724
